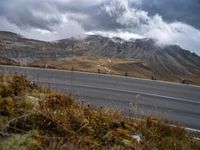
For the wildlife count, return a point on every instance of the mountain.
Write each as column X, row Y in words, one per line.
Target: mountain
column 169, row 62
column 20, row 49
column 164, row 60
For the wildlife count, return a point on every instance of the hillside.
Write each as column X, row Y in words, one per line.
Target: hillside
column 139, row 58
column 34, row 118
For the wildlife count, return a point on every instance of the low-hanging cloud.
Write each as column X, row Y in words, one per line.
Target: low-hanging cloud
column 172, row 33
column 57, row 19
column 175, row 10
column 139, row 23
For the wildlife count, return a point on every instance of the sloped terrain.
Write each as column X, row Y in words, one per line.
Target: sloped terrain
column 24, row 51
column 34, row 118
column 170, row 63
column 160, row 60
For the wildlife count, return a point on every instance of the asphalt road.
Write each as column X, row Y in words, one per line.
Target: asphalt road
column 177, row 102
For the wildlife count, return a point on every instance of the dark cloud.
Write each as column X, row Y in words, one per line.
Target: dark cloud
column 187, row 11
column 111, row 15
column 169, row 21
column 26, row 14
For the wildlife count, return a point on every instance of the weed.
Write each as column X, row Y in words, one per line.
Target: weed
column 61, row 122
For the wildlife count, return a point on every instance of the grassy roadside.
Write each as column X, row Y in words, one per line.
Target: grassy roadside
column 33, row 118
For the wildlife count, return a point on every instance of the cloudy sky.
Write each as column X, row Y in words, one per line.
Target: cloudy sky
column 168, row 21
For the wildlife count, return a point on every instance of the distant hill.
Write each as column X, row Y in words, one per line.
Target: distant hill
column 169, row 62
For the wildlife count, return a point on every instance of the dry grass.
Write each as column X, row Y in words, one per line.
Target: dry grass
column 55, row 121
column 114, row 66
column 105, row 65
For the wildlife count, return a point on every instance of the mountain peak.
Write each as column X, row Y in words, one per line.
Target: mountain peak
column 169, row 60
column 7, row 34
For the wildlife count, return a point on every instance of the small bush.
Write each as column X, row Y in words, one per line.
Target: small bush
column 4, row 91
column 56, row 101
column 6, row 106
column 18, row 85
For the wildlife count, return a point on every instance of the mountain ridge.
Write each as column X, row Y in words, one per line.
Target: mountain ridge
column 170, row 61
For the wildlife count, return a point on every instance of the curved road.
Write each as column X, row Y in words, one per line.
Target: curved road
column 177, row 102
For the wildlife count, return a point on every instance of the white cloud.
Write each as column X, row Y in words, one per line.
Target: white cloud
column 66, row 29
column 57, row 19
column 123, row 35
column 173, row 33
column 126, row 15
column 139, row 23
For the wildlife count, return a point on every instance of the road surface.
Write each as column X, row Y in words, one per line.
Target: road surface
column 177, row 102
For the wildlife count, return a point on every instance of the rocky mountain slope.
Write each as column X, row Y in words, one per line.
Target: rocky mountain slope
column 23, row 51
column 159, row 59
column 166, row 62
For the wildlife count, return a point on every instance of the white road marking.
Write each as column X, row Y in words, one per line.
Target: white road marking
column 131, row 92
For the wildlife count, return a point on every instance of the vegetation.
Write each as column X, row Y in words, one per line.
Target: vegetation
column 32, row 118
